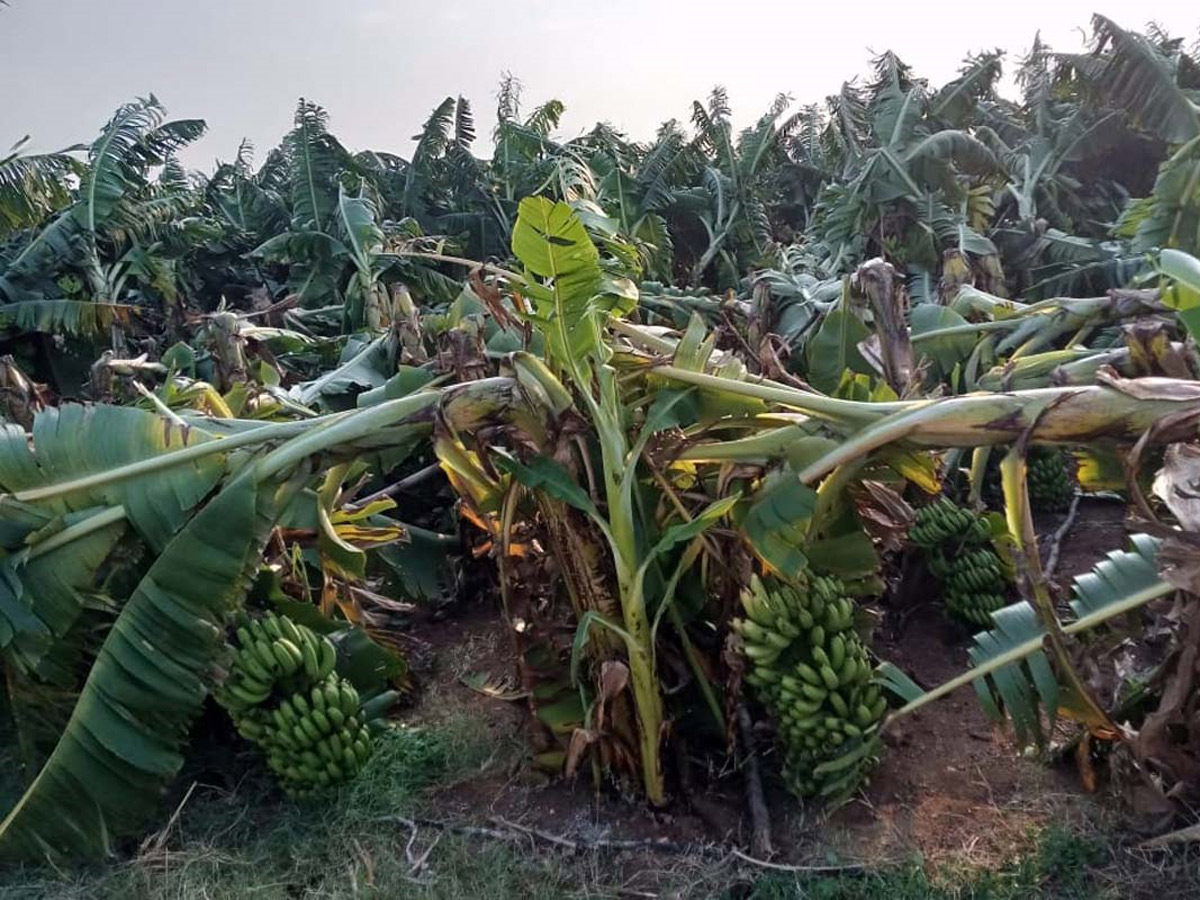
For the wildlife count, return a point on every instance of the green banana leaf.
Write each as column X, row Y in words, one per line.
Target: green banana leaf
column 40, row 587
column 554, row 246
column 86, row 318
column 73, row 441
column 124, row 739
column 776, row 524
column 1010, row 670
column 834, row 349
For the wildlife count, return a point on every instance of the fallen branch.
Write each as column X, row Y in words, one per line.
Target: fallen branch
column 1060, row 535
column 556, row 840
column 847, row 869
column 399, row 487
column 1188, row 835
column 512, row 832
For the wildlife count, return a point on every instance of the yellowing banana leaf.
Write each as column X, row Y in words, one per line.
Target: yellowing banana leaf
column 1099, row 468
column 339, row 558
column 366, row 537
column 359, row 514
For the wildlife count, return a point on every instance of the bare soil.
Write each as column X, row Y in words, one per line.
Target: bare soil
column 950, row 787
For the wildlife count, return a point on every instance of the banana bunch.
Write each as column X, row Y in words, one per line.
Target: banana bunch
column 284, row 697
column 944, row 521
column 1051, row 484
column 957, row 547
column 274, row 650
column 312, row 740
column 1048, row 474
column 810, row 669
column 973, row 584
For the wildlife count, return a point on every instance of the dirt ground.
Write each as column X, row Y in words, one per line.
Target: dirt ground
column 950, row 787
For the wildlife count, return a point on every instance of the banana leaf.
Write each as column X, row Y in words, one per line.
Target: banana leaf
column 124, row 739
column 1010, row 670
column 40, row 587
column 73, row 441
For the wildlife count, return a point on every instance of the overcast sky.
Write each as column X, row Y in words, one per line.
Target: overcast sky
column 379, row 66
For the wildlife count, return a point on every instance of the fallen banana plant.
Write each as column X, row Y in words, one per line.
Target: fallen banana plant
column 126, row 731
column 1117, row 410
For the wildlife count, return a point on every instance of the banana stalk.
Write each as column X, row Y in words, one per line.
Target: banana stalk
column 1032, row 583
column 1118, row 410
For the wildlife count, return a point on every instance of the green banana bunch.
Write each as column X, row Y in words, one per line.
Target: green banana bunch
column 1051, row 482
column 944, row 521
column 1048, row 474
column 271, row 652
column 810, row 669
column 957, row 547
column 284, row 696
column 316, row 739
column 973, row 584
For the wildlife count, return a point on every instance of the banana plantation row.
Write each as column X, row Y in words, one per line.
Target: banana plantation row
column 688, row 411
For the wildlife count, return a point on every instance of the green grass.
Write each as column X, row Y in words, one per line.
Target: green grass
column 252, row 843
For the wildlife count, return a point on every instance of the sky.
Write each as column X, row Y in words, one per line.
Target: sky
column 380, row 66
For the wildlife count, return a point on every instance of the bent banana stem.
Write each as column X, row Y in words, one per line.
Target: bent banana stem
column 1031, row 646
column 1032, row 582
column 279, row 431
column 1051, row 415
column 849, row 411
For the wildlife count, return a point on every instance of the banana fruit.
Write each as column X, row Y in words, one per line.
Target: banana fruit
column 811, row 671
column 957, row 547
column 1049, row 474
column 285, row 697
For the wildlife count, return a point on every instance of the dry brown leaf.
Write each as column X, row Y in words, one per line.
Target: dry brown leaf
column 614, row 678
column 581, row 739
column 1178, row 484
column 1179, row 561
column 1150, row 388
column 884, row 514
column 1152, row 352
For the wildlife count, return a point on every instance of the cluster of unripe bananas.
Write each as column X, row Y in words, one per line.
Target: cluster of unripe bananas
column 957, row 547
column 1048, row 474
column 1051, row 484
column 284, row 696
column 810, row 669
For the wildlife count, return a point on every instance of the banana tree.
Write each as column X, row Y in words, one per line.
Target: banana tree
column 904, row 189
column 116, row 203
column 145, row 536
column 581, row 457
column 32, row 186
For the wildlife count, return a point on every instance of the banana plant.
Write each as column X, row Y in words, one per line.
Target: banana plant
column 97, row 489
column 116, row 201
column 33, row 185
column 618, row 585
